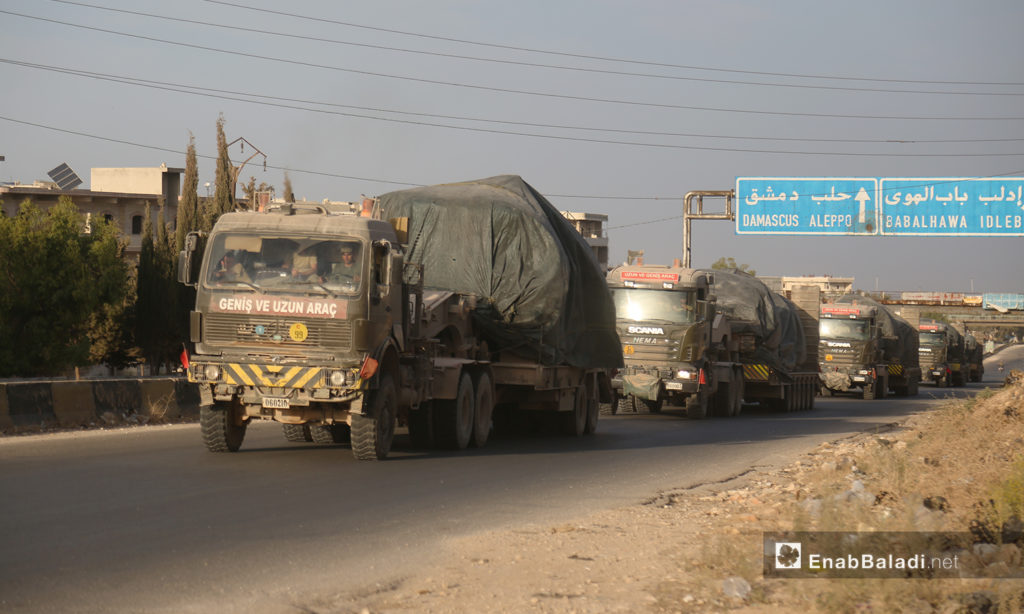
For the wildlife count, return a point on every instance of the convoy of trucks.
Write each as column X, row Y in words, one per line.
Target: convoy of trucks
column 445, row 309
column 867, row 349
column 943, row 361
column 710, row 340
column 458, row 309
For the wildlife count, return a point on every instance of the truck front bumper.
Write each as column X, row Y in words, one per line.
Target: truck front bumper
column 650, row 386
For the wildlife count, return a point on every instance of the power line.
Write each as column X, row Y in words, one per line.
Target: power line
column 603, row 58
column 526, row 64
column 506, row 90
column 259, row 98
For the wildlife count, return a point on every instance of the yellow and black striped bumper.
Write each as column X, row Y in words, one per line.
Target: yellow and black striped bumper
column 895, row 369
column 271, row 376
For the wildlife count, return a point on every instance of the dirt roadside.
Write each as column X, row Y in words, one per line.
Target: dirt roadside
column 699, row 549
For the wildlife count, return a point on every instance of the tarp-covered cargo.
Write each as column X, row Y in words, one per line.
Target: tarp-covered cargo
column 902, row 345
column 543, row 293
column 771, row 318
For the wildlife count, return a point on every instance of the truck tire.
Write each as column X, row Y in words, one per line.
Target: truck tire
column 653, row 407
column 374, row 430
column 454, row 418
column 221, row 426
column 696, row 407
column 330, row 433
column 484, row 407
column 574, row 423
column 625, row 405
column 593, row 405
column 298, row 433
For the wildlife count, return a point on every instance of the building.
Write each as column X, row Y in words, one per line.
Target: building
column 830, row 286
column 591, row 227
column 117, row 194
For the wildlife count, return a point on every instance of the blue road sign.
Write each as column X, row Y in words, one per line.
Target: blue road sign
column 953, row 206
column 811, row 206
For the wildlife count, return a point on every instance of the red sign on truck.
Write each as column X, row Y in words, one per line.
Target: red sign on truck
column 650, row 276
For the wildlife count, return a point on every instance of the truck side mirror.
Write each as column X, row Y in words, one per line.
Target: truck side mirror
column 188, row 262
column 384, row 259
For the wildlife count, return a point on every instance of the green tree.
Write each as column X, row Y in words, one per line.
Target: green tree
column 157, row 306
column 187, row 219
column 55, row 280
column 224, row 182
column 730, row 263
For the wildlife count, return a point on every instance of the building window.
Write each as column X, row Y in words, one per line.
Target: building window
column 136, row 224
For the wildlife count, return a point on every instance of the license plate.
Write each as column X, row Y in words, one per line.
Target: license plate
column 673, row 385
column 275, row 403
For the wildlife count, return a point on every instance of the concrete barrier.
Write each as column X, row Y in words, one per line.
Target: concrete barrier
column 33, row 405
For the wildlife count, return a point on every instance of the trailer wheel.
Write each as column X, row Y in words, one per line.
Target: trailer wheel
column 298, row 433
column 222, row 426
column 454, row 419
column 654, row 406
column 484, row 409
column 330, row 433
column 625, row 405
column 574, row 422
column 696, row 407
column 593, row 405
column 373, row 432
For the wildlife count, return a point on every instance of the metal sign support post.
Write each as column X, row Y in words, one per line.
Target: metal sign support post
column 689, row 214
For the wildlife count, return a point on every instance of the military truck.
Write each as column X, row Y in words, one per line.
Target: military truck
column 774, row 337
column 865, row 348
column 443, row 309
column 671, row 349
column 975, row 358
column 942, row 354
column 682, row 346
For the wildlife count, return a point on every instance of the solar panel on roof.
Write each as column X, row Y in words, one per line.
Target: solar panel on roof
column 65, row 178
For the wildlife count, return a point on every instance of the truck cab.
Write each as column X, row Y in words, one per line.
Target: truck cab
column 849, row 348
column 296, row 309
column 941, row 352
column 664, row 319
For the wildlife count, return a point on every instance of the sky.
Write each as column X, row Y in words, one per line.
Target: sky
column 603, row 106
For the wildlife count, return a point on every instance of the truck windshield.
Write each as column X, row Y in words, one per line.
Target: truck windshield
column 293, row 264
column 843, row 329
column 933, row 338
column 654, row 305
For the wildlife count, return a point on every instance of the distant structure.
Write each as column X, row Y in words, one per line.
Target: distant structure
column 830, row 286
column 591, row 227
column 116, row 194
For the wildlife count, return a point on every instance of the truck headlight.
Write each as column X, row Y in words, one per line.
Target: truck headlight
column 338, row 379
column 863, row 372
column 684, row 374
column 212, row 373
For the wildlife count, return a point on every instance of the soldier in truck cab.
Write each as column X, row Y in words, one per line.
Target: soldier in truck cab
column 231, row 268
column 346, row 271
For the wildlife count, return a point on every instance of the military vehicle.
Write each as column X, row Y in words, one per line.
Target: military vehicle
column 942, row 354
column 684, row 346
column 445, row 309
column 974, row 353
column 865, row 348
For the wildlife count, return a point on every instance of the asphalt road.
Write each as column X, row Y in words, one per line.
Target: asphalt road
column 145, row 520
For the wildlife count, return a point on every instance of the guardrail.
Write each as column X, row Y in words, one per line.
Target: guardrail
column 39, row 404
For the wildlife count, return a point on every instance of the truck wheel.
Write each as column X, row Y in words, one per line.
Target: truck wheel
column 573, row 423
column 696, row 407
column 330, row 433
column 454, row 419
column 373, row 431
column 625, row 405
column 421, row 426
column 222, row 426
column 654, row 406
column 593, row 405
column 298, row 433
column 484, row 408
